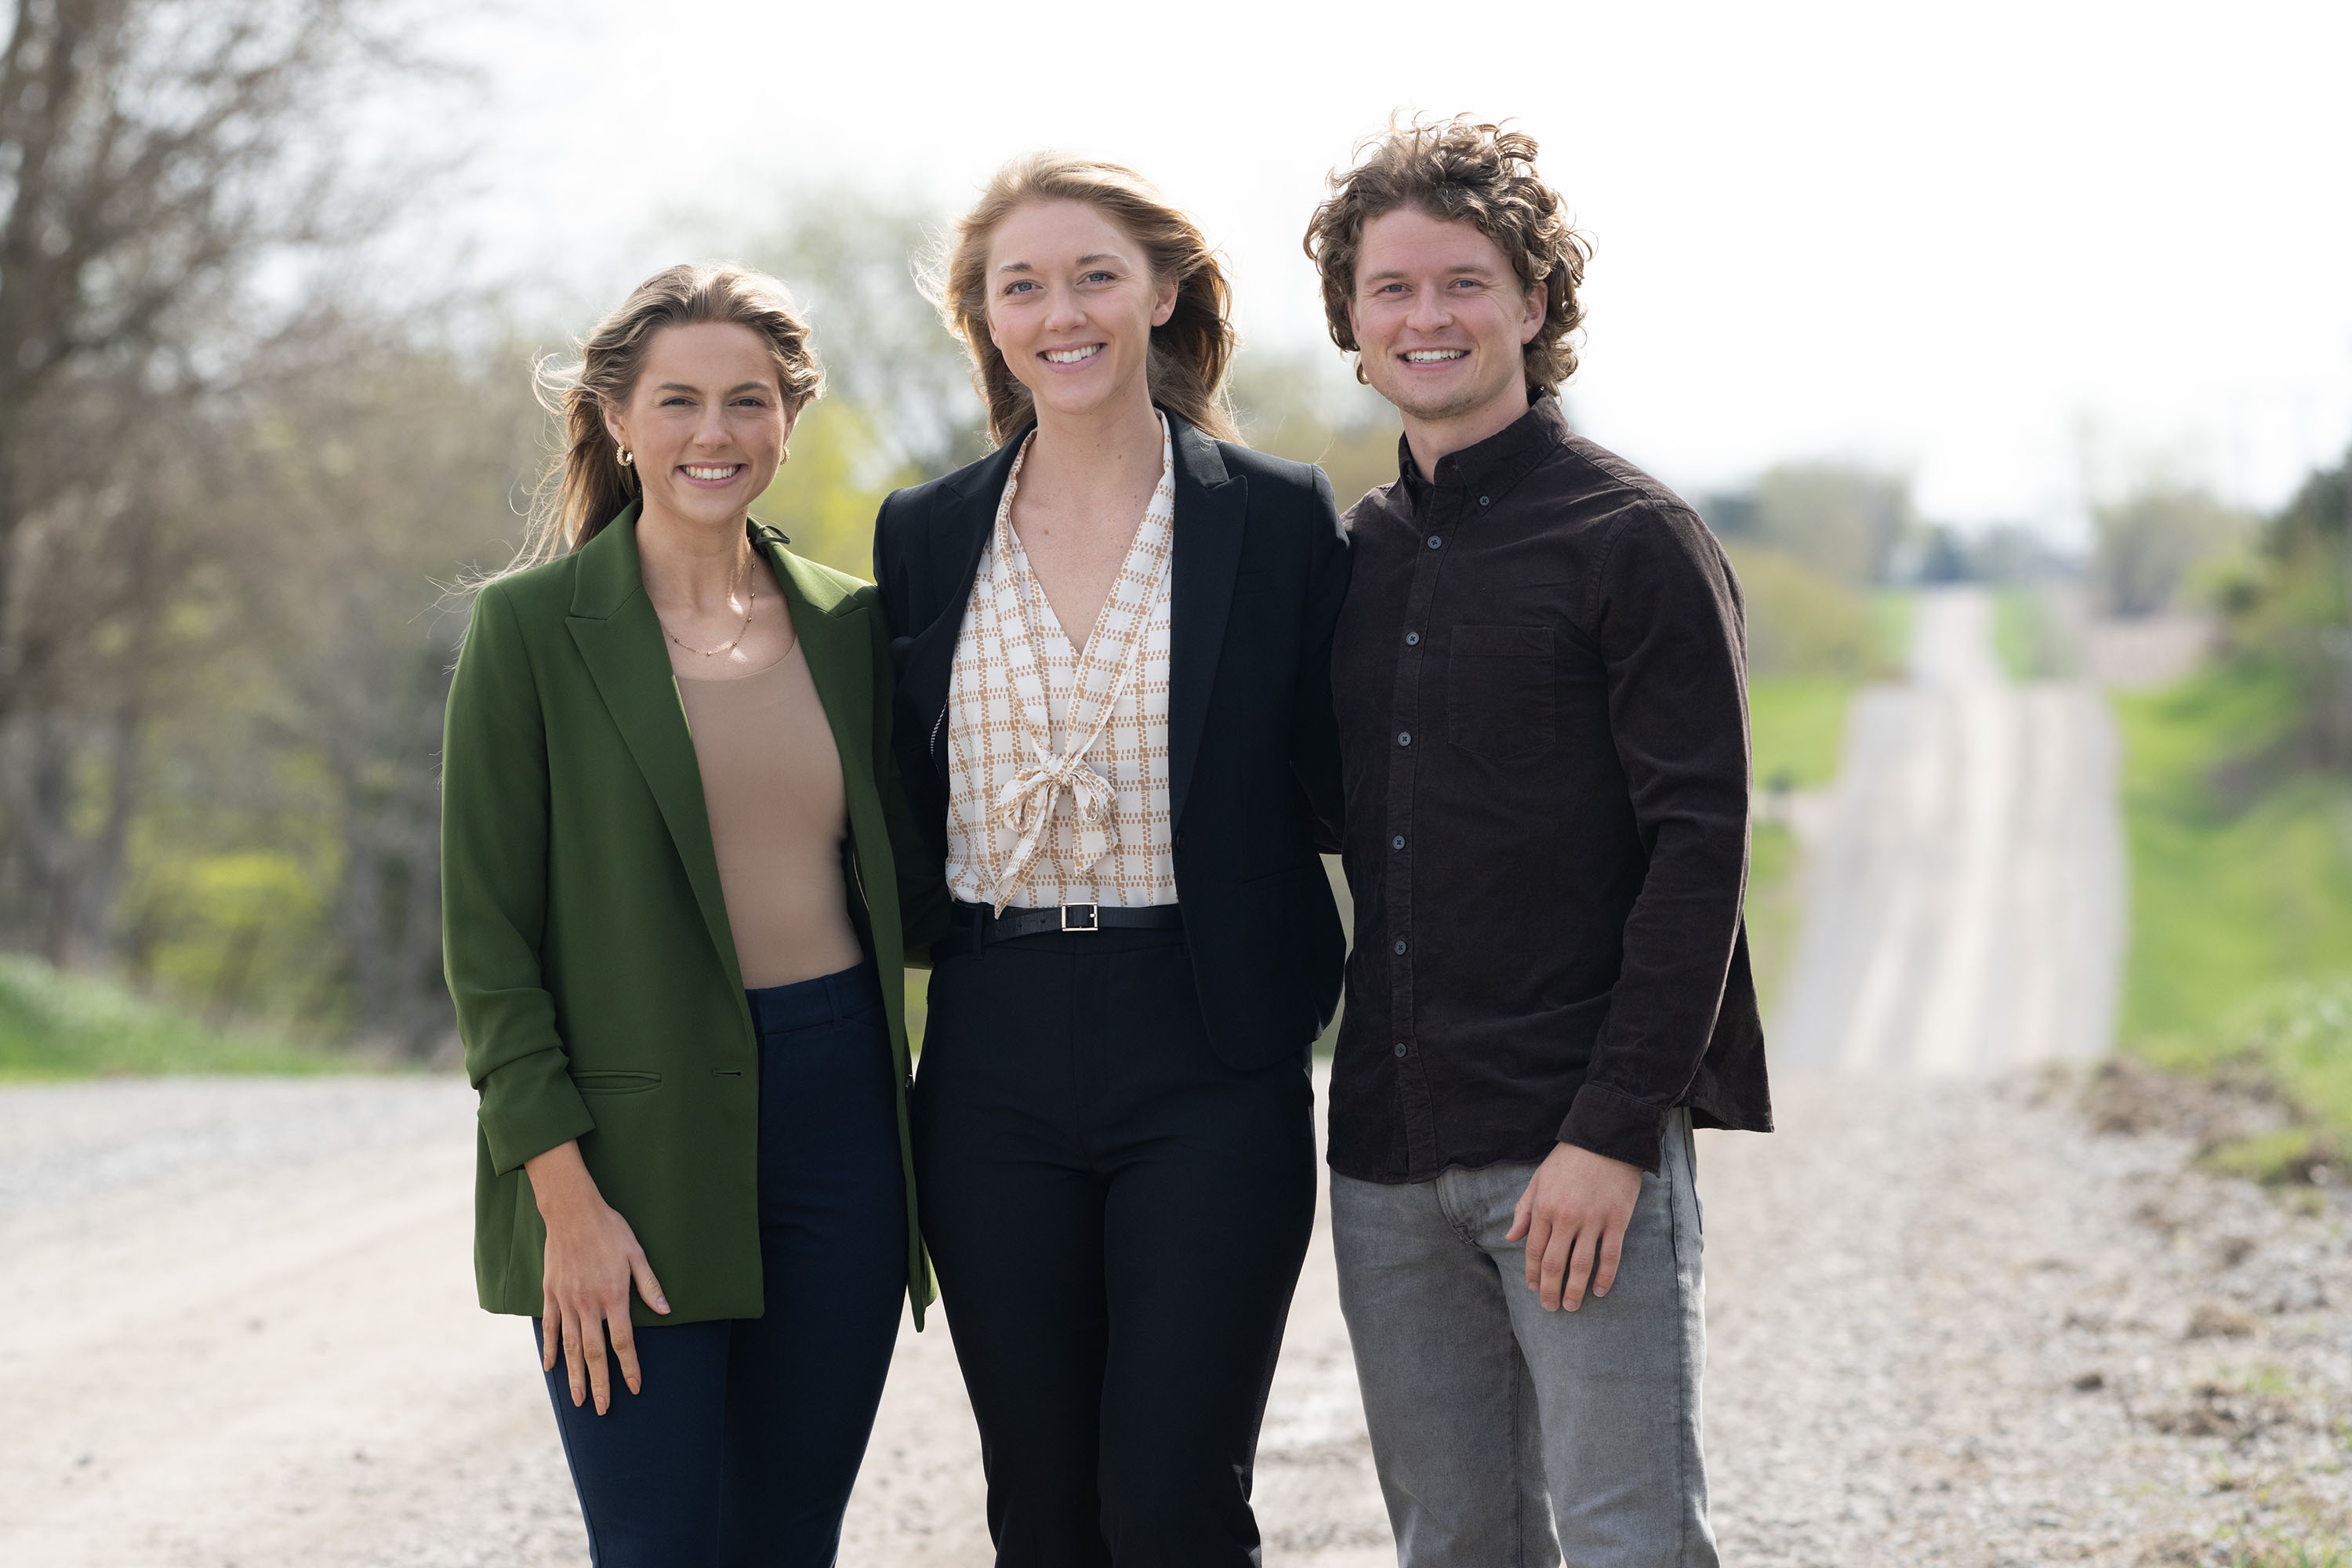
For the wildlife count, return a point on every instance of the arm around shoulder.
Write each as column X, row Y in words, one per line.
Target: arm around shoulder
column 494, row 834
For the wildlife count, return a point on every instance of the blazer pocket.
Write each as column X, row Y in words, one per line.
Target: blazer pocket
column 615, row 1082
column 1499, row 699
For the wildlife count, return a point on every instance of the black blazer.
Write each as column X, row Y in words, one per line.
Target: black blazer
column 1260, row 569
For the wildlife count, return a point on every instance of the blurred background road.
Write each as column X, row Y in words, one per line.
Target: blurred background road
column 1965, row 911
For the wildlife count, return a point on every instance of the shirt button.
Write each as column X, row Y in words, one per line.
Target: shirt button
column 1398, row 842
column 1401, row 1049
column 1481, row 500
column 1404, row 737
column 1400, row 947
column 1412, row 640
column 1434, row 542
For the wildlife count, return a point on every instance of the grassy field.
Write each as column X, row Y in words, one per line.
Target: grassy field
column 1796, row 729
column 70, row 1026
column 2240, row 949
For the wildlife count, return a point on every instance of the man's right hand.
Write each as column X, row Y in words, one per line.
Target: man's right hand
column 592, row 1258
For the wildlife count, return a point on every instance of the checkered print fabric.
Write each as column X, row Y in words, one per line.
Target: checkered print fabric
column 1058, row 757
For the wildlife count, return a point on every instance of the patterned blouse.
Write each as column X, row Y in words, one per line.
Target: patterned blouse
column 1057, row 756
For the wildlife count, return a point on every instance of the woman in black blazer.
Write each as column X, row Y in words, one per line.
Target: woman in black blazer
column 1112, row 1121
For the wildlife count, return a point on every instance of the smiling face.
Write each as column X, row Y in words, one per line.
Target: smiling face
column 705, row 423
column 1071, row 305
column 1440, row 317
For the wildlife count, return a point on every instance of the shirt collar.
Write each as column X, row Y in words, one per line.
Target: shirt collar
column 1496, row 463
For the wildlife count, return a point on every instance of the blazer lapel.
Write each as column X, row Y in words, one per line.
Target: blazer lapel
column 833, row 632
column 1211, row 509
column 620, row 640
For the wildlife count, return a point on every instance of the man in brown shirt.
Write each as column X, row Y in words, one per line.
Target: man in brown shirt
column 1538, row 680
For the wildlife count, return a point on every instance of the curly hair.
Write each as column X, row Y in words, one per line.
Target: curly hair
column 1190, row 353
column 586, row 486
column 1458, row 170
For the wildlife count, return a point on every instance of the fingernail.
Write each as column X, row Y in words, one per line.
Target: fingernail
column 661, row 1303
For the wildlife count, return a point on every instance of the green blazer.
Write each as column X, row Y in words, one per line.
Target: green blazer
column 584, row 935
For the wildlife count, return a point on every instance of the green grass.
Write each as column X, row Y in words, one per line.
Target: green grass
column 2241, row 873
column 2027, row 636
column 1796, row 726
column 1797, row 731
column 1775, row 908
column 70, row 1026
column 2241, row 951
column 1898, row 610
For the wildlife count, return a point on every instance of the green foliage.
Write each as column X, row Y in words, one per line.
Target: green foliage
column 54, row 1025
column 1849, row 523
column 1803, row 622
column 2240, row 866
column 825, row 498
column 1303, row 407
column 2152, row 542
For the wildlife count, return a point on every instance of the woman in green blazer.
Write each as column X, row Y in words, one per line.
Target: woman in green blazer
column 678, row 881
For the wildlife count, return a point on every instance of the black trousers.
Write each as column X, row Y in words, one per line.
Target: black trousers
column 1118, row 1220
column 742, row 1448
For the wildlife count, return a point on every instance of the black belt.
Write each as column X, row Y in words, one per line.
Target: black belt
column 976, row 929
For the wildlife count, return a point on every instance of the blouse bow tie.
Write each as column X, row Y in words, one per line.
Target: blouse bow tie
column 1026, row 804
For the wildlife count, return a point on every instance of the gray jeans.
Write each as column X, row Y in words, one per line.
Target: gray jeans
column 1507, row 1435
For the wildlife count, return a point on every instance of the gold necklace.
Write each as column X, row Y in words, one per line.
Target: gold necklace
column 748, row 604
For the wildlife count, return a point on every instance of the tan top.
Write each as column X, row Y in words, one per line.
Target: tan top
column 1057, row 756
column 772, row 784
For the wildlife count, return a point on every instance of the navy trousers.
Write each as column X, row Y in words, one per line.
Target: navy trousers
column 747, row 1438
column 1117, row 1219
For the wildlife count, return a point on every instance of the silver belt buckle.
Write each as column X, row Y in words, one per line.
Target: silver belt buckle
column 1081, row 916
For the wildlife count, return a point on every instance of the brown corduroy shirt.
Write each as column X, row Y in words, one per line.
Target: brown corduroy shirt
column 1539, row 681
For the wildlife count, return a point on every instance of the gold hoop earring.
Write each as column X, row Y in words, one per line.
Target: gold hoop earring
column 625, row 459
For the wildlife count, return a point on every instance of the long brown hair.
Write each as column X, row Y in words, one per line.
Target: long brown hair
column 587, row 486
column 1191, row 351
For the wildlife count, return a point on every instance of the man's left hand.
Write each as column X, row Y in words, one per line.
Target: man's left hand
column 1573, row 1215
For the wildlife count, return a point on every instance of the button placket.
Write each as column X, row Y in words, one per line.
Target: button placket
column 1413, row 1082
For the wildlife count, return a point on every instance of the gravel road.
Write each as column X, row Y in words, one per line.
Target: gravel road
column 1951, row 1325
column 1950, row 1322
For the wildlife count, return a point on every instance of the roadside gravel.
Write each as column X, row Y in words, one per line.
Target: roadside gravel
column 1951, row 1324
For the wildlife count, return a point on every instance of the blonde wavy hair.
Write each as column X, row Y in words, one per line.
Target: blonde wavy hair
column 1191, row 351
column 586, row 486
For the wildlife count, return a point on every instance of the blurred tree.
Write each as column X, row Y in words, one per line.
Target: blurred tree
column 2151, row 542
column 1304, row 406
column 1802, row 621
column 1849, row 523
column 850, row 260
column 2291, row 600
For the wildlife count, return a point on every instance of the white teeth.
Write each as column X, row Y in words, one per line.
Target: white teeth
column 1433, row 356
column 1072, row 356
column 726, row 473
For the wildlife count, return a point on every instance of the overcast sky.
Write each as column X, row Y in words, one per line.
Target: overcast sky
column 1979, row 243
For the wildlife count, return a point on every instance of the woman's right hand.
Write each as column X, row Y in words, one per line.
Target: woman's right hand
column 592, row 1258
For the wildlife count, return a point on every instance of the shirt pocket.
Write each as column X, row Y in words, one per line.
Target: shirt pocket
column 1498, row 700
